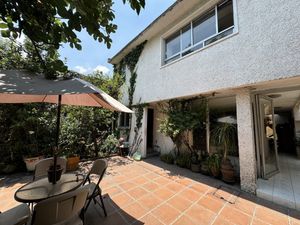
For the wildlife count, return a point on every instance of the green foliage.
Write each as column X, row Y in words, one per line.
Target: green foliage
column 130, row 60
column 84, row 130
column 167, row 158
column 15, row 56
column 224, row 134
column 110, row 144
column 56, row 22
column 29, row 129
column 139, row 112
column 180, row 118
column 184, row 160
column 131, row 88
column 214, row 161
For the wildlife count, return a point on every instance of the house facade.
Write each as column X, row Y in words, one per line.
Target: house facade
column 244, row 57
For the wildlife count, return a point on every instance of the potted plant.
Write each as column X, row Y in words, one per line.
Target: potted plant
column 73, row 159
column 184, row 160
column 196, row 162
column 214, row 164
column 224, row 135
column 204, row 166
column 167, row 158
column 54, row 173
column 32, row 156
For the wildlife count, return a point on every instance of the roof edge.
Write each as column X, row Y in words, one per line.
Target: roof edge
column 111, row 60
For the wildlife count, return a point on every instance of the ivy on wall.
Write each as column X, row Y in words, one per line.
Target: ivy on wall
column 130, row 61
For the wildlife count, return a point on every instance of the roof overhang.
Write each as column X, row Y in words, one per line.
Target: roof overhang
column 177, row 11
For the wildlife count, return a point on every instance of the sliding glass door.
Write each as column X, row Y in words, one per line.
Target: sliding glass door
column 266, row 139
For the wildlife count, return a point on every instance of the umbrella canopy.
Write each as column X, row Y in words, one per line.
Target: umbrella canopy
column 24, row 87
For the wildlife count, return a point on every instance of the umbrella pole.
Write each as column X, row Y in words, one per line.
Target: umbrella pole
column 56, row 149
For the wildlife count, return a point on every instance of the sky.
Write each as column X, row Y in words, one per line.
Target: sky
column 94, row 55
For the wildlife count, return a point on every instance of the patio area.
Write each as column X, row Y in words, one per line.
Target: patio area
column 152, row 192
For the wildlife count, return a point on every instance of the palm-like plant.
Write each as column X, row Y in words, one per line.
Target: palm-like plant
column 224, row 134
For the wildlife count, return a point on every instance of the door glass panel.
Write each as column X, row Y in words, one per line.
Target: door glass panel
column 268, row 139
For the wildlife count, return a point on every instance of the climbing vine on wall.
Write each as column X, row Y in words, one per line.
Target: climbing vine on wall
column 139, row 111
column 130, row 61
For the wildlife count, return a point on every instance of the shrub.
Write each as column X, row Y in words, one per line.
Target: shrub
column 167, row 158
column 110, row 144
column 184, row 160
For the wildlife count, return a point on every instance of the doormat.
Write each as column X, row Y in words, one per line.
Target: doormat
column 227, row 194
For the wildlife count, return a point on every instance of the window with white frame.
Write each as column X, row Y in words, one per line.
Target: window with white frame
column 124, row 120
column 209, row 27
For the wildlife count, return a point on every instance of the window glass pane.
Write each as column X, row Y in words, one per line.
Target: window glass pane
column 225, row 15
column 215, row 38
column 121, row 124
column 124, row 120
column 172, row 59
column 186, row 37
column 204, row 27
column 127, row 118
column 173, row 45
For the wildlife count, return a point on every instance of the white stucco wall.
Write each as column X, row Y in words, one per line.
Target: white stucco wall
column 165, row 143
column 266, row 47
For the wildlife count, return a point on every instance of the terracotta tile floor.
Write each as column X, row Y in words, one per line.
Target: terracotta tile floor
column 152, row 192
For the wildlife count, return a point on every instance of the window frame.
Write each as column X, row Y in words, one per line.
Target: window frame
column 126, row 115
column 191, row 19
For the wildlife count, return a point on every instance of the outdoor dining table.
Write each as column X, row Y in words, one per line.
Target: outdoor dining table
column 42, row 189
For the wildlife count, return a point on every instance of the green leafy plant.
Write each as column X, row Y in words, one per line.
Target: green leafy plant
column 224, row 134
column 110, row 144
column 180, row 119
column 56, row 22
column 167, row 158
column 214, row 164
column 184, row 160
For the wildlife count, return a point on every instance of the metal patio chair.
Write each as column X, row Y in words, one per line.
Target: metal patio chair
column 99, row 167
column 18, row 215
column 41, row 168
column 66, row 209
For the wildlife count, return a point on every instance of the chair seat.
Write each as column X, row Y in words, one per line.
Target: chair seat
column 91, row 187
column 15, row 216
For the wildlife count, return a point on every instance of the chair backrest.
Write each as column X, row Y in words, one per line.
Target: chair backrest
column 41, row 168
column 60, row 208
column 99, row 167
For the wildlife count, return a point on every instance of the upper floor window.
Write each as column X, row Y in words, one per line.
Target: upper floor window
column 213, row 25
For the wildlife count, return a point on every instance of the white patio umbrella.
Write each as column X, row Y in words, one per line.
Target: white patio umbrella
column 24, row 87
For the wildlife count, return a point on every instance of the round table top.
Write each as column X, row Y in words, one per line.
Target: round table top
column 41, row 189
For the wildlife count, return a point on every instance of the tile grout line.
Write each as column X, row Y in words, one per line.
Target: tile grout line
column 226, row 203
column 196, row 202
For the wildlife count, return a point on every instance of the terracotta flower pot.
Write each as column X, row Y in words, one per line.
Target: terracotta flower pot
column 196, row 167
column 227, row 171
column 72, row 163
column 215, row 172
column 204, row 169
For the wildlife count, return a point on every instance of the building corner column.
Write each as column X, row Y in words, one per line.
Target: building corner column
column 246, row 142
